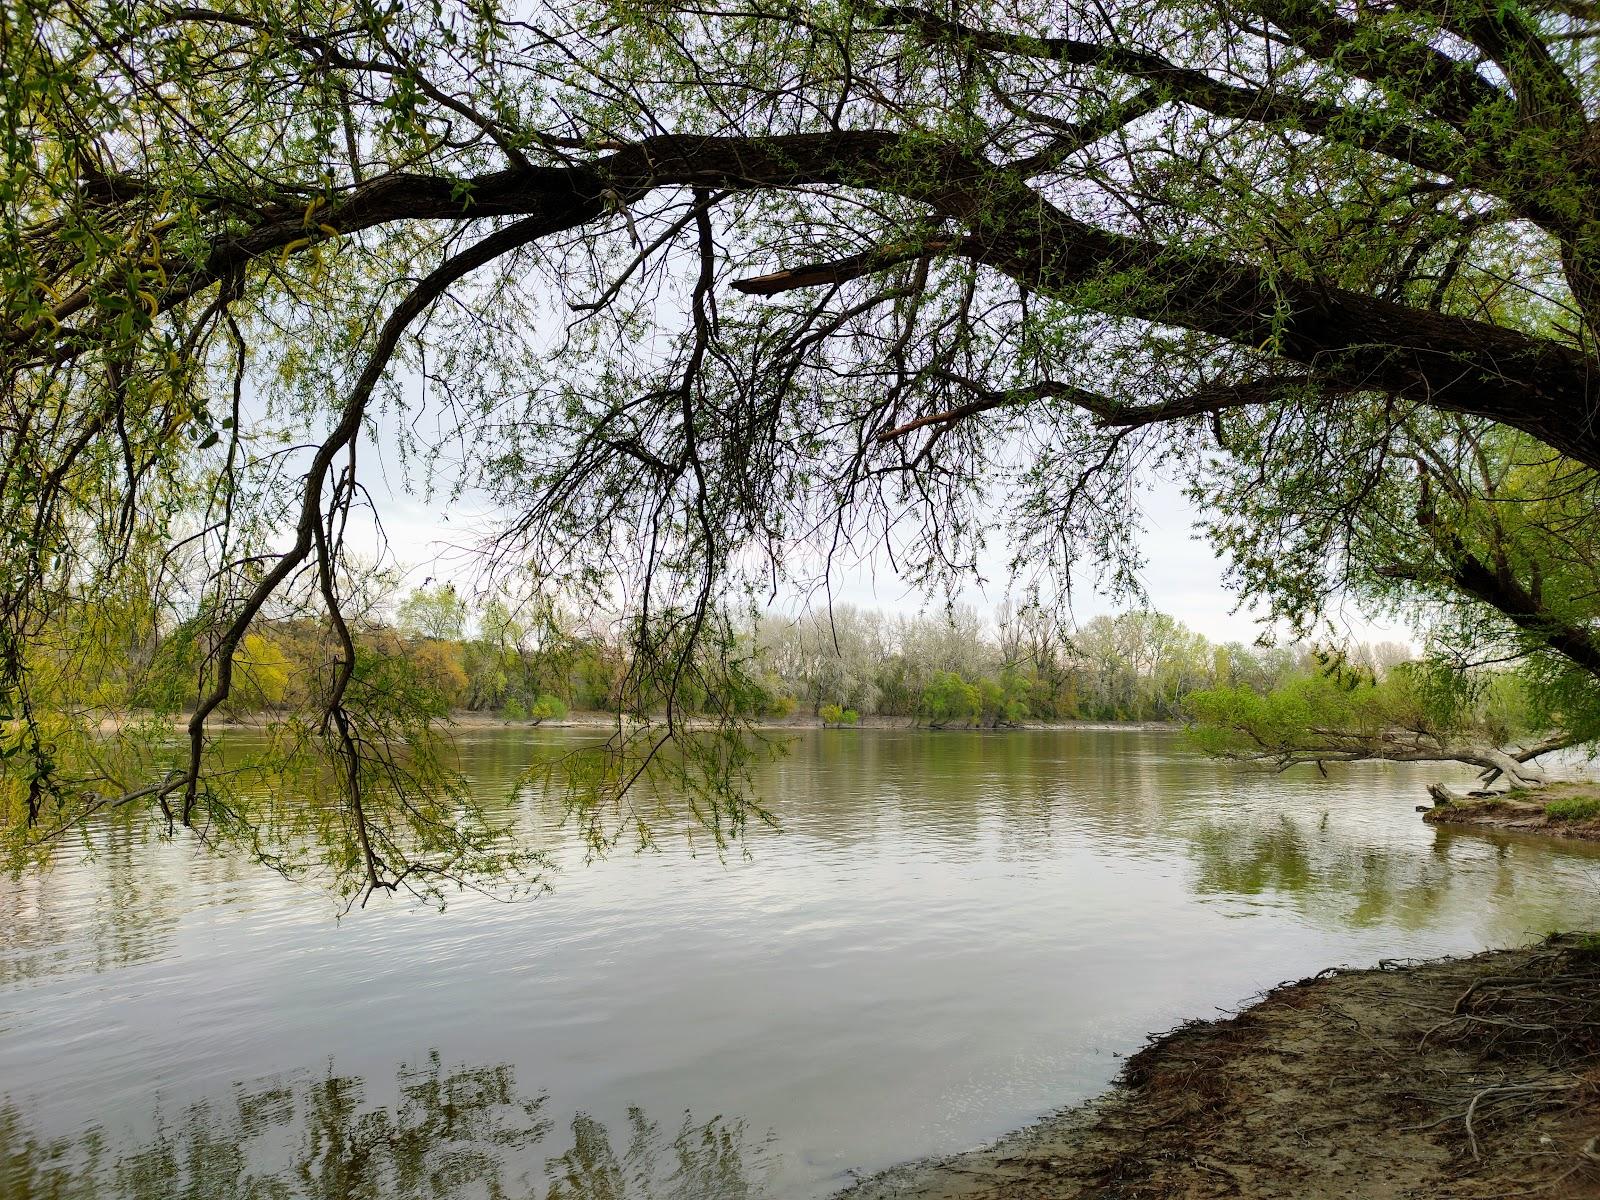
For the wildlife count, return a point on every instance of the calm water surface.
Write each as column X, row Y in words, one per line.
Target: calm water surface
column 952, row 934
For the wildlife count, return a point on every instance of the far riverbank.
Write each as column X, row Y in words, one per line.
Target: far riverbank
column 464, row 719
column 599, row 719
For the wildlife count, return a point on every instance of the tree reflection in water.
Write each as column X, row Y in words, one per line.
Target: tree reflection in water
column 462, row 1134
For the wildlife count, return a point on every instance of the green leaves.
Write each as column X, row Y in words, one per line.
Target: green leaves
column 1422, row 711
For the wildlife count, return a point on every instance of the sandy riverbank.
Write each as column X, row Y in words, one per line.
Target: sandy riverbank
column 465, row 720
column 592, row 720
column 1466, row 1078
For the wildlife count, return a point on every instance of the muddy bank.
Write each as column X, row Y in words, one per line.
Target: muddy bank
column 1570, row 810
column 1469, row 1078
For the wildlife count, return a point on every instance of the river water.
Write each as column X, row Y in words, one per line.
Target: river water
column 950, row 935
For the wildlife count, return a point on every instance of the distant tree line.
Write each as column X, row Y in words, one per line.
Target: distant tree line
column 446, row 651
column 956, row 668
column 952, row 669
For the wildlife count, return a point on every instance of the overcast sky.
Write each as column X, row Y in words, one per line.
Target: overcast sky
column 436, row 539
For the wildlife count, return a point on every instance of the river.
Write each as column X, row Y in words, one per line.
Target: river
column 950, row 935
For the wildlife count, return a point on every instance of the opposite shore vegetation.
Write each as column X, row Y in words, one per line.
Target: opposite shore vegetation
column 1284, row 705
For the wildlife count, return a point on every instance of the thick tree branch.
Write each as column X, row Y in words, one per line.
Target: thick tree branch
column 1545, row 96
column 988, row 399
column 1524, row 610
column 1424, row 75
column 1497, row 587
column 854, row 266
column 1347, row 338
column 1426, row 149
column 1388, row 745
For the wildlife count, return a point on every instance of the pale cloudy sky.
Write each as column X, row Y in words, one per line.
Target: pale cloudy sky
column 437, row 539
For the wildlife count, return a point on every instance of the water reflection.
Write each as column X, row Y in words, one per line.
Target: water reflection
column 950, row 934
column 713, row 1161
column 51, row 923
column 443, row 1135
column 1299, row 862
column 1294, row 862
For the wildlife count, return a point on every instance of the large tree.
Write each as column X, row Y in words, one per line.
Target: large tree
column 684, row 286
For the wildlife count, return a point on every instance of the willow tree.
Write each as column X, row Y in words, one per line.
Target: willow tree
column 1487, row 533
column 1417, row 713
column 685, row 287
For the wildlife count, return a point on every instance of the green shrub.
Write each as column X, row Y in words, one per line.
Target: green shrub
column 833, row 714
column 949, row 699
column 548, row 708
column 1573, row 808
column 515, row 709
column 1004, row 701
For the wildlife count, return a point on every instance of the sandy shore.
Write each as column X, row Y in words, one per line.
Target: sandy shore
column 467, row 721
column 798, row 724
column 1466, row 1078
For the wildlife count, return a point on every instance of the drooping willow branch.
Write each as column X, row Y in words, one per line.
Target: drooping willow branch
column 340, row 439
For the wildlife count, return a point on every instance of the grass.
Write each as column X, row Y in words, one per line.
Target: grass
column 1573, row 808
